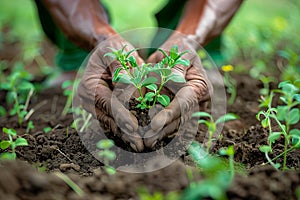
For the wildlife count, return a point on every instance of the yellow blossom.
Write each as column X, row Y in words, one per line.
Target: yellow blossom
column 227, row 68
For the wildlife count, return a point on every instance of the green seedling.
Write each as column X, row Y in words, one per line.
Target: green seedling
column 68, row 92
column 284, row 115
column 211, row 124
column 216, row 177
column 230, row 153
column 47, row 129
column 106, row 154
column 30, row 126
column 13, row 142
column 70, row 183
column 19, row 91
column 83, row 119
column 230, row 83
column 139, row 76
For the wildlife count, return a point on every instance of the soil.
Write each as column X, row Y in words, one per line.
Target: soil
column 35, row 174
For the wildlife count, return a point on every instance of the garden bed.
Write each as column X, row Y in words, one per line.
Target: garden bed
column 61, row 150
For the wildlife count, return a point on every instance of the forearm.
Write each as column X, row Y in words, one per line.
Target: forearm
column 203, row 20
column 84, row 22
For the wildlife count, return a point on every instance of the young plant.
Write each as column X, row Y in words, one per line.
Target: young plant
column 68, row 92
column 139, row 76
column 106, row 154
column 230, row 83
column 83, row 119
column 13, row 142
column 211, row 124
column 284, row 116
column 20, row 90
column 216, row 177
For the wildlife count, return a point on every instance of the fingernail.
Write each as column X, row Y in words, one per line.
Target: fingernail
column 133, row 146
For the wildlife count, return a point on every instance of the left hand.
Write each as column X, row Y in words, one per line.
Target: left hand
column 195, row 92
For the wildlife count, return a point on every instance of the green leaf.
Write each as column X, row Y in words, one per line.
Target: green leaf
column 149, row 81
column 4, row 144
column 109, row 54
column 149, row 96
column 202, row 114
column 297, row 97
column 110, row 170
column 21, row 142
column 132, row 61
column 164, row 71
column 274, row 136
column 152, row 87
column 8, row 156
column 116, row 74
column 163, row 52
column 282, row 112
column 66, row 84
column 47, row 129
column 105, row 144
column 265, row 123
column 124, row 78
column 176, row 78
column 294, row 116
column 9, row 131
column 227, row 117
column 25, row 86
column 182, row 62
column 295, row 133
column 174, row 52
column 265, row 148
column 164, row 100
column 107, row 154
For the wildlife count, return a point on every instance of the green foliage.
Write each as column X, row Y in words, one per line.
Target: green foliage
column 19, row 91
column 211, row 124
column 106, row 154
column 139, row 76
column 68, row 87
column 30, row 126
column 217, row 177
column 83, row 119
column 144, row 194
column 284, row 115
column 47, row 129
column 13, row 142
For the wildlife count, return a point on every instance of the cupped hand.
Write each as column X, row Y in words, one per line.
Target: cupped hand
column 101, row 97
column 195, row 92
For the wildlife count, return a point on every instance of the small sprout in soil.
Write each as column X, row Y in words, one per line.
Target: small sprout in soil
column 70, row 183
column 83, row 119
column 230, row 83
column 230, row 153
column 30, row 126
column 68, row 92
column 106, row 154
column 216, row 177
column 47, row 129
column 285, row 116
column 211, row 124
column 13, row 142
column 139, row 76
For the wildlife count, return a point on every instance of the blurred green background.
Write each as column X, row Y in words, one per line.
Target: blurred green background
column 260, row 31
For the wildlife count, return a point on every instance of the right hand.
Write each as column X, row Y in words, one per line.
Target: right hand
column 95, row 91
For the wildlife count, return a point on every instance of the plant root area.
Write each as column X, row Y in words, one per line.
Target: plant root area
column 36, row 173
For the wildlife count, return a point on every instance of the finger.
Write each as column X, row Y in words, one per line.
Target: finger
column 184, row 100
column 151, row 137
column 108, row 125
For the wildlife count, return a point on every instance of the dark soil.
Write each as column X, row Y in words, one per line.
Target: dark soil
column 35, row 173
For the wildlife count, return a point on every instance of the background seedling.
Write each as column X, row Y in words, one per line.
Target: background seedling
column 211, row 124
column 106, row 154
column 13, row 142
column 284, row 116
column 139, row 76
